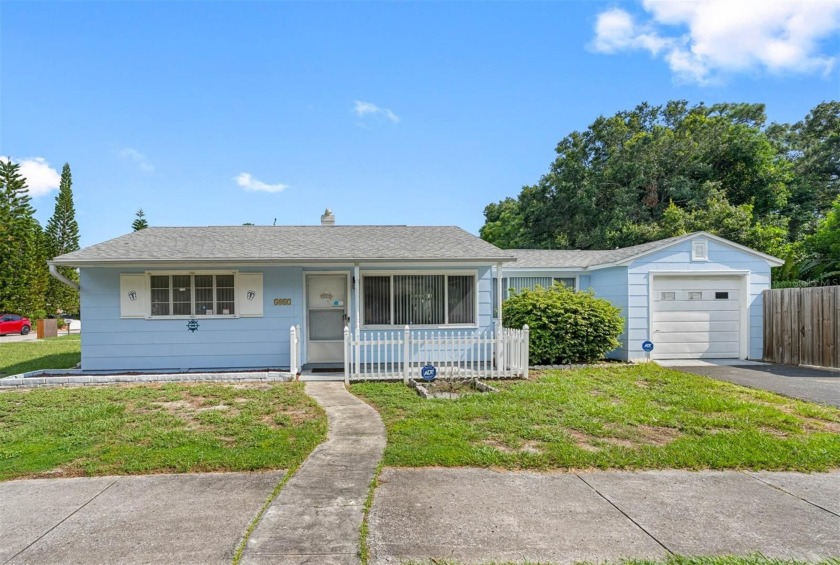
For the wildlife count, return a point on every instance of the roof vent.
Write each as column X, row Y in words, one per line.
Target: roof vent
column 327, row 219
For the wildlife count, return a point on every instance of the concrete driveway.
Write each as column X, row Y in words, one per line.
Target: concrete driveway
column 798, row 382
column 197, row 518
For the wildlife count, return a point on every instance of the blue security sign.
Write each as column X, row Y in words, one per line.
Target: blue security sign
column 428, row 372
column 647, row 346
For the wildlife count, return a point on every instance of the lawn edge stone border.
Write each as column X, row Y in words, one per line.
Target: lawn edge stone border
column 88, row 380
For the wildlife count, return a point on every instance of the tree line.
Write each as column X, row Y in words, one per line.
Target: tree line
column 661, row 171
column 26, row 286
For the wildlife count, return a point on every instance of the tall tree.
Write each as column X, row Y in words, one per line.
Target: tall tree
column 611, row 184
column 139, row 222
column 822, row 248
column 812, row 146
column 22, row 277
column 62, row 236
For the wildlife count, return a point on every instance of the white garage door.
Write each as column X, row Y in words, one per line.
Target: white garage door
column 696, row 317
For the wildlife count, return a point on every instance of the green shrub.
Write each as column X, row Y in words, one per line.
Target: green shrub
column 566, row 326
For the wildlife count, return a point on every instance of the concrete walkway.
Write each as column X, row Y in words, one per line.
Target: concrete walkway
column 317, row 516
column 129, row 520
column 483, row 516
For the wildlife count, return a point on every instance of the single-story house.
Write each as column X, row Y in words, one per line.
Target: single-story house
column 192, row 298
column 692, row 296
column 187, row 298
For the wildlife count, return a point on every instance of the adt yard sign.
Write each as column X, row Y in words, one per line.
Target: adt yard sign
column 428, row 372
column 647, row 346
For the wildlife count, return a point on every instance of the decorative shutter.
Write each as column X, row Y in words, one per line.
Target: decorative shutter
column 249, row 294
column 134, row 296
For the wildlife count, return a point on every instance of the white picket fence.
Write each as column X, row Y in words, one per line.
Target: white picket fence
column 391, row 355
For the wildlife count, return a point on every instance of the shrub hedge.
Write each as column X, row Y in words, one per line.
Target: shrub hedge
column 566, row 326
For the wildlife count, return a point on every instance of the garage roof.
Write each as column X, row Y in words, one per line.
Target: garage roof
column 572, row 259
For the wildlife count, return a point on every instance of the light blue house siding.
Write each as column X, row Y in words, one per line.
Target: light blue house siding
column 611, row 284
column 110, row 342
column 721, row 258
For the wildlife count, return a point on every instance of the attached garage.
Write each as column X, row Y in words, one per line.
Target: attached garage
column 695, row 316
column 694, row 296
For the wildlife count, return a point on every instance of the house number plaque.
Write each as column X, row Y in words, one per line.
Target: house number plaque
column 282, row 301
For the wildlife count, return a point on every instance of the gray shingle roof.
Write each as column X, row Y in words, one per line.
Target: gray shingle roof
column 289, row 244
column 576, row 258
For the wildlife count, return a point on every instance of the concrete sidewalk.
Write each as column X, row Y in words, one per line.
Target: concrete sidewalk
column 317, row 516
column 481, row 516
column 197, row 518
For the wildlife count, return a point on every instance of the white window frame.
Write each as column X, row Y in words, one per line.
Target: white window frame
column 150, row 274
column 702, row 244
column 391, row 274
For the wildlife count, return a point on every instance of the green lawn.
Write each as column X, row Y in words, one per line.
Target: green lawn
column 134, row 429
column 625, row 417
column 24, row 356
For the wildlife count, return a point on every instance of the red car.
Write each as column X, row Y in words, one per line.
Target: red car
column 14, row 324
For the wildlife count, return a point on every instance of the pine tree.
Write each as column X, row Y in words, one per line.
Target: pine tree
column 21, row 269
column 62, row 236
column 140, row 222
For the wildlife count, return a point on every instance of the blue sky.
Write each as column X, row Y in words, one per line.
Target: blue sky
column 220, row 113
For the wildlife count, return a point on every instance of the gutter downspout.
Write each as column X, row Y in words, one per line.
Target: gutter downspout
column 54, row 272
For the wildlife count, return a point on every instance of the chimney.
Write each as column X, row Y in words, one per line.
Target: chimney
column 328, row 219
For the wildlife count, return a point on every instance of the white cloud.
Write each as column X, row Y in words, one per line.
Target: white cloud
column 139, row 158
column 704, row 40
column 363, row 109
column 40, row 177
column 246, row 181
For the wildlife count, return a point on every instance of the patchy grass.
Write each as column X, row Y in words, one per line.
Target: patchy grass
column 55, row 353
column 626, row 417
column 180, row 428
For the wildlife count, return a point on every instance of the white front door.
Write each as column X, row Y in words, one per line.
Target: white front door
column 696, row 317
column 326, row 316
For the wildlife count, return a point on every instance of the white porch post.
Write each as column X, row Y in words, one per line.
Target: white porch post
column 346, row 355
column 499, row 356
column 357, row 283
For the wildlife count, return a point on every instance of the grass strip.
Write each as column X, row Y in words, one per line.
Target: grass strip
column 364, row 548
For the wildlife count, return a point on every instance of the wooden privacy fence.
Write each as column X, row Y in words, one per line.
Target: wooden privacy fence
column 802, row 326
column 390, row 355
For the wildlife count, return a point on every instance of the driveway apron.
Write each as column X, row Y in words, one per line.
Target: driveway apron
column 317, row 516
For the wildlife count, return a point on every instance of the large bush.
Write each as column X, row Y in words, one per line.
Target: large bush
column 566, row 326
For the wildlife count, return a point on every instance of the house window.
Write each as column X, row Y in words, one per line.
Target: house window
column 411, row 300
column 377, row 299
column 699, row 251
column 721, row 296
column 695, row 296
column 666, row 296
column 192, row 295
column 566, row 281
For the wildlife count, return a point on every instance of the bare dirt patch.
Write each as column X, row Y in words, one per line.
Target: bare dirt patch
column 531, row 447
column 657, row 435
column 630, row 437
